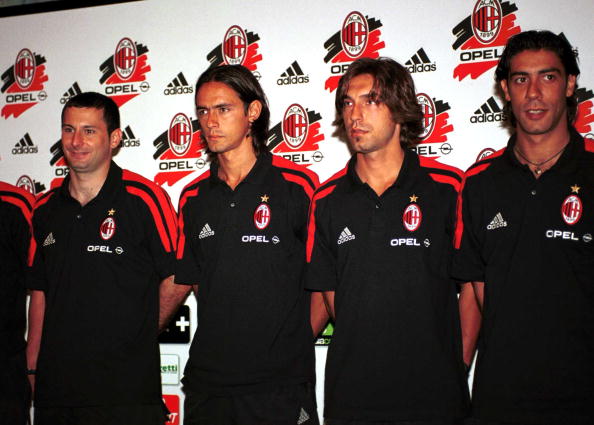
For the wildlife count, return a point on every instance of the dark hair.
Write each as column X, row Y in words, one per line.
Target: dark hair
column 393, row 86
column 539, row 40
column 247, row 87
column 111, row 113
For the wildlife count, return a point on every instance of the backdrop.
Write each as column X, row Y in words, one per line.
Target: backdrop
column 148, row 55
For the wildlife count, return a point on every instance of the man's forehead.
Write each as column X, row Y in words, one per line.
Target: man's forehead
column 97, row 115
column 214, row 90
column 536, row 60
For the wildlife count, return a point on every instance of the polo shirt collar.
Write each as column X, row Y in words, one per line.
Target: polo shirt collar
column 567, row 163
column 405, row 176
column 257, row 174
column 114, row 176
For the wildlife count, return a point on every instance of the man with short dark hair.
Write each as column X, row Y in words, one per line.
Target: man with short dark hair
column 105, row 242
column 16, row 205
column 380, row 243
column 242, row 246
column 525, row 241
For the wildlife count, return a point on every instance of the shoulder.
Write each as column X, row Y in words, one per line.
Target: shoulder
column 45, row 198
column 192, row 189
column 18, row 201
column 297, row 174
column 16, row 196
column 442, row 173
column 480, row 167
column 328, row 187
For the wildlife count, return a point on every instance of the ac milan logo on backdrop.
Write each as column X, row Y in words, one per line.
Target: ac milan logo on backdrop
column 481, row 37
column 30, row 185
column 295, row 125
column 239, row 47
column 434, row 139
column 297, row 136
column 107, row 228
column 571, row 210
column 234, row 46
column 179, row 150
column 486, row 20
column 124, row 73
column 428, row 109
column 411, row 218
column 24, row 69
column 585, row 113
column 124, row 58
column 23, row 83
column 359, row 37
column 262, row 216
column 180, row 134
column 354, row 34
column 484, row 153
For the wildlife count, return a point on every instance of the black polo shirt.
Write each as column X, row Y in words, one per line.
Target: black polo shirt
column 396, row 350
column 15, row 234
column 245, row 248
column 100, row 267
column 530, row 241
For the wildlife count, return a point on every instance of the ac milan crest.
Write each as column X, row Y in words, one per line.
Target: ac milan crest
column 107, row 228
column 26, row 182
column 295, row 124
column 23, row 83
column 234, row 46
column 180, row 134
column 412, row 217
column 484, row 153
column 571, row 209
column 486, row 20
column 262, row 216
column 428, row 108
column 24, row 69
column 124, row 58
column 353, row 35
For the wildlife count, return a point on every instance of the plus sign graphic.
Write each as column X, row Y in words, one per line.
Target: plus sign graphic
column 182, row 323
column 178, row 331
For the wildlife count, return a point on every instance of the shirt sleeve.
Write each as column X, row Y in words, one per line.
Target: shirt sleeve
column 321, row 261
column 187, row 269
column 468, row 264
column 162, row 235
column 36, row 278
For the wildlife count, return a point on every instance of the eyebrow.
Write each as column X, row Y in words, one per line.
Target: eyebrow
column 541, row 71
column 84, row 126
column 218, row 105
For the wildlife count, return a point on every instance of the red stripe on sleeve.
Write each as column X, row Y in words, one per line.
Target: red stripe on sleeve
column 163, row 199
column 309, row 190
column 154, row 209
column 311, row 226
column 185, row 194
column 441, row 178
column 459, row 229
column 181, row 242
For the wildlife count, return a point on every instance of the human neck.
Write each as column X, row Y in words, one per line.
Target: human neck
column 380, row 169
column 234, row 166
column 84, row 187
column 540, row 152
